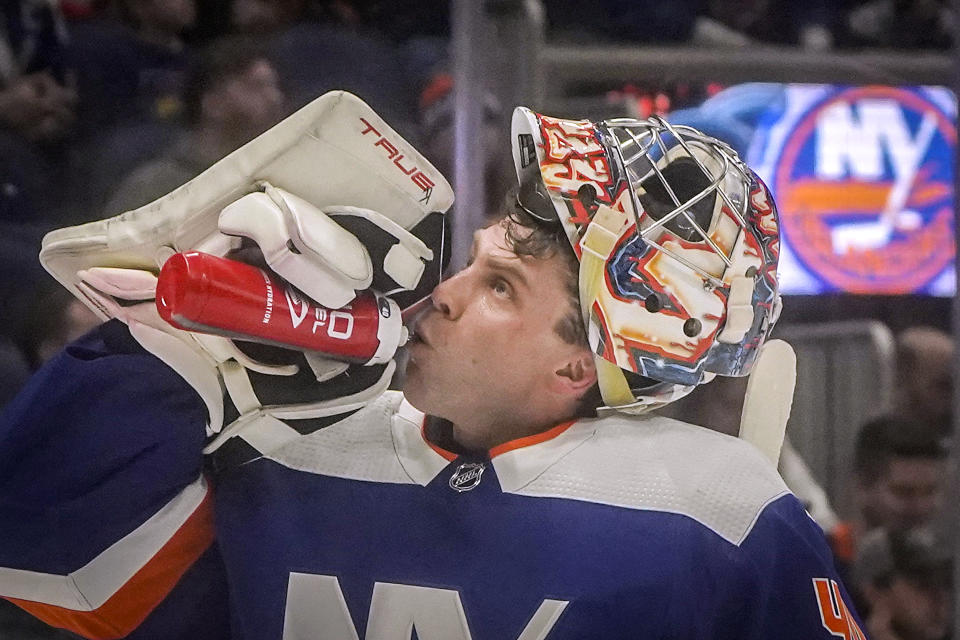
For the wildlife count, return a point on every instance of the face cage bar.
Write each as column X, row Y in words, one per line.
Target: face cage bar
column 652, row 129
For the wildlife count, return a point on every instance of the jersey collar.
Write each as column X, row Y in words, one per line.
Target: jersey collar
column 517, row 462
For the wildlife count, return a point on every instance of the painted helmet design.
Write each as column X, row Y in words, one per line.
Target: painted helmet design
column 678, row 242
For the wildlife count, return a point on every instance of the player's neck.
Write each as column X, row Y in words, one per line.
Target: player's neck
column 486, row 433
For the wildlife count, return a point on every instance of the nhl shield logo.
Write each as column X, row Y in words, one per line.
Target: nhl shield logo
column 467, row 476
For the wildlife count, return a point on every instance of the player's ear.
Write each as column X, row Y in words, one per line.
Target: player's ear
column 576, row 373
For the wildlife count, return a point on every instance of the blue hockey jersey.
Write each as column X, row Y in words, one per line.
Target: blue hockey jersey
column 620, row 527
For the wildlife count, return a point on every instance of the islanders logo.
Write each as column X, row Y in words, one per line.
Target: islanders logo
column 864, row 183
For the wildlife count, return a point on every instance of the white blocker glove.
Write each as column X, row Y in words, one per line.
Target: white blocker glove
column 335, row 201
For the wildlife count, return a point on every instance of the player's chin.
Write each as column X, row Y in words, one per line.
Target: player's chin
column 424, row 380
column 426, row 391
column 414, row 385
column 416, row 393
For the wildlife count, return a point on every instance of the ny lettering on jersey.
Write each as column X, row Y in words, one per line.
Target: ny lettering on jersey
column 315, row 604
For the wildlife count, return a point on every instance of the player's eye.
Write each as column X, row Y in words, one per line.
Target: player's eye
column 501, row 287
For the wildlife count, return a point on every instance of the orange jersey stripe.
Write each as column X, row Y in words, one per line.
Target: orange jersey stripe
column 446, row 455
column 129, row 606
column 529, row 441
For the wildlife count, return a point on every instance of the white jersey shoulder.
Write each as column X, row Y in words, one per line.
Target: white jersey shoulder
column 659, row 464
column 381, row 442
column 645, row 463
column 360, row 447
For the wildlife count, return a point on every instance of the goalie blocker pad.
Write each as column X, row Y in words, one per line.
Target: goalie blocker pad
column 335, row 151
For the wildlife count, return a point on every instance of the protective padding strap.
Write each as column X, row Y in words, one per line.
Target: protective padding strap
column 223, row 349
column 597, row 243
column 769, row 397
column 405, row 260
column 261, row 431
column 613, row 384
column 246, row 424
column 266, row 434
column 334, row 406
column 238, row 385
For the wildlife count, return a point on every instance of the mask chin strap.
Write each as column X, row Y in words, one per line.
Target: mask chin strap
column 614, row 390
column 599, row 240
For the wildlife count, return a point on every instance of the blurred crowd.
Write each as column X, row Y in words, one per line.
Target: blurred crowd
column 107, row 104
column 814, row 24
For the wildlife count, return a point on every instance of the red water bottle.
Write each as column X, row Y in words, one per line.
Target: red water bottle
column 208, row 294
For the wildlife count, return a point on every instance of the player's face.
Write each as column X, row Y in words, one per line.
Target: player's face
column 487, row 347
column 912, row 492
column 252, row 102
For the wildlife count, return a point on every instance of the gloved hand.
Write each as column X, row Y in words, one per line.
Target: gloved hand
column 333, row 200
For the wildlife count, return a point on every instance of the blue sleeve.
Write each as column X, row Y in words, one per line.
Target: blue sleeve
column 104, row 511
column 794, row 591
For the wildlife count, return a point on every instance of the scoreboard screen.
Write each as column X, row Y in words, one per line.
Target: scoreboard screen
column 863, row 178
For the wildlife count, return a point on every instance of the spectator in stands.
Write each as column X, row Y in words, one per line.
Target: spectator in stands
column 343, row 54
column 53, row 319
column 907, row 580
column 925, row 377
column 900, row 468
column 132, row 63
column 37, row 112
column 161, row 23
column 900, row 24
column 396, row 20
column 898, row 486
column 265, row 16
column 232, row 96
column 738, row 23
column 35, row 98
column 37, row 108
column 643, row 21
column 36, row 326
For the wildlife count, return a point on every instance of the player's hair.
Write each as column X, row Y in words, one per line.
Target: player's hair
column 528, row 236
column 888, row 437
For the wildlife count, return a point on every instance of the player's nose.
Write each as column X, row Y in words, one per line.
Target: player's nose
column 448, row 296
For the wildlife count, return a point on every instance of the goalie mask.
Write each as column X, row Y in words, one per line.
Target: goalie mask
column 677, row 241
